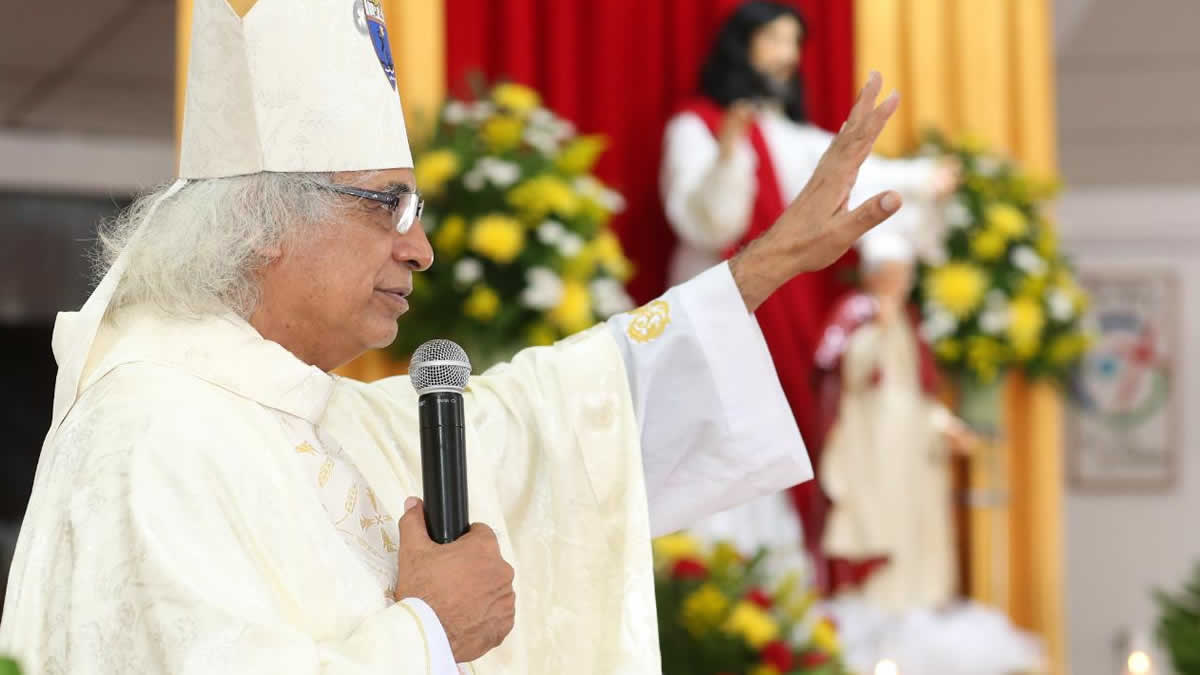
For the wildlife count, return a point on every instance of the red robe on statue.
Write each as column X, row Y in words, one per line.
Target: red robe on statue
column 792, row 320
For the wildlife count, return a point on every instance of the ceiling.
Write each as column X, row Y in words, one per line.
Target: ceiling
column 89, row 67
column 1128, row 100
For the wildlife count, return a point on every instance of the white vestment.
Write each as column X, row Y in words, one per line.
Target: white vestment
column 708, row 202
column 885, row 468
column 211, row 504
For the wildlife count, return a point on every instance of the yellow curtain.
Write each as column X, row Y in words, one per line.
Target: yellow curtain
column 984, row 67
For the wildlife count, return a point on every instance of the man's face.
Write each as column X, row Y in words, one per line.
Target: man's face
column 775, row 49
column 340, row 291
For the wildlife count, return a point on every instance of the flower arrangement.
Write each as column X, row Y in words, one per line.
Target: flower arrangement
column 1001, row 295
column 717, row 615
column 519, row 228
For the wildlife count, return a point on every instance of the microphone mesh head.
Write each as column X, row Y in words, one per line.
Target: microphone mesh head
column 439, row 365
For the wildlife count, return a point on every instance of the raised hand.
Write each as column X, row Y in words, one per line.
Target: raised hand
column 816, row 228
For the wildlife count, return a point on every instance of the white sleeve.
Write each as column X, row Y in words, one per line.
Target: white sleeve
column 707, row 200
column 912, row 178
column 441, row 659
column 716, row 429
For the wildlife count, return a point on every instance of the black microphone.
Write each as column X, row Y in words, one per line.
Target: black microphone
column 439, row 371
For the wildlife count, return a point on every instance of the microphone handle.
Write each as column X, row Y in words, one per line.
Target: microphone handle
column 444, row 465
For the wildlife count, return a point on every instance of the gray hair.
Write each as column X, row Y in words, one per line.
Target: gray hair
column 198, row 252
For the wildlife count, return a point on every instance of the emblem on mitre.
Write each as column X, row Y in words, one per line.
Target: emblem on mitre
column 377, row 29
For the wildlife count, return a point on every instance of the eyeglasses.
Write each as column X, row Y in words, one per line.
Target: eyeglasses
column 406, row 207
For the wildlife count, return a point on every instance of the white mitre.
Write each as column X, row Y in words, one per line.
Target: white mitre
column 292, row 85
column 274, row 85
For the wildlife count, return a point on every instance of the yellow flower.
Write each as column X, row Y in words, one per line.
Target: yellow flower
column 581, row 154
column 1033, row 286
column 984, row 355
column 763, row 669
column 752, row 624
column 671, row 547
column 574, row 311
column 541, row 334
column 434, row 169
column 502, row 132
column 1006, row 219
column 542, row 195
column 1047, row 240
column 580, row 267
column 482, row 304
column 973, row 143
column 450, row 236
column 497, row 237
column 724, row 556
column 1025, row 324
column 593, row 211
column 948, row 349
column 988, row 244
column 516, row 98
column 607, row 249
column 1066, row 348
column 825, row 638
column 959, row 287
column 703, row 609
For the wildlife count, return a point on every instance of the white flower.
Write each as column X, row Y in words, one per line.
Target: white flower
column 474, row 180
column 570, row 245
column 541, row 139
column 996, row 297
column 1062, row 308
column 988, row 166
column 467, row 271
column 541, row 117
column 502, row 174
column 994, row 318
column 956, row 213
column 609, row 297
column 544, row 289
column 455, row 112
column 1027, row 260
column 993, row 321
column 938, row 325
column 593, row 189
column 562, row 129
column 481, row 110
column 551, row 232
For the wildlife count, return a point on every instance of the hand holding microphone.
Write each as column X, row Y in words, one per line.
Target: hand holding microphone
column 455, row 568
column 466, row 583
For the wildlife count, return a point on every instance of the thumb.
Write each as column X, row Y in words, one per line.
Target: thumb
column 412, row 524
column 873, row 212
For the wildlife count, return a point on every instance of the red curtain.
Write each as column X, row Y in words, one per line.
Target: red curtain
column 620, row 68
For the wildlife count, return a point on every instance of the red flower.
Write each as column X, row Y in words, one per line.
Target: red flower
column 778, row 654
column 813, row 659
column 760, row 598
column 689, row 568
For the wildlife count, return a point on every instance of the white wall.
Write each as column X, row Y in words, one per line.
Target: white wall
column 1129, row 140
column 1120, row 547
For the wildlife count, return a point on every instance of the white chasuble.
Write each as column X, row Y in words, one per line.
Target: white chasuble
column 210, row 504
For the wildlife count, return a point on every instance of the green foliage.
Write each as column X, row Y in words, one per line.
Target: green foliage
column 1179, row 625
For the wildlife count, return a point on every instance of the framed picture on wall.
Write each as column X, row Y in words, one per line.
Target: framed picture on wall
column 1123, row 422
